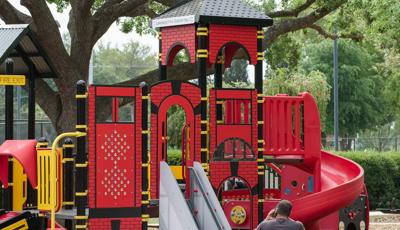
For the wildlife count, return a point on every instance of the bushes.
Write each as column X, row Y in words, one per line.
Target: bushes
column 382, row 177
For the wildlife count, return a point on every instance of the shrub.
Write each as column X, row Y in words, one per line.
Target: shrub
column 381, row 175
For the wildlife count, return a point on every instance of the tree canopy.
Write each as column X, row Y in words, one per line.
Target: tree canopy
column 90, row 19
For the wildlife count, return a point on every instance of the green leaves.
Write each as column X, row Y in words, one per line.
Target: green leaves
column 360, row 88
column 61, row 4
column 113, row 65
column 282, row 81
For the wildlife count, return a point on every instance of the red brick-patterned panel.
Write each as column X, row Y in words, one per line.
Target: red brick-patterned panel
column 138, row 147
column 163, row 95
column 125, row 224
column 184, row 35
column 223, row 34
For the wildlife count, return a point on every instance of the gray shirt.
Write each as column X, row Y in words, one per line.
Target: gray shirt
column 280, row 223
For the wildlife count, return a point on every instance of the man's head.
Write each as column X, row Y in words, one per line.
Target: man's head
column 284, row 208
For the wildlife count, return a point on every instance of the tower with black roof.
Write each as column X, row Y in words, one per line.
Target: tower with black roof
column 211, row 31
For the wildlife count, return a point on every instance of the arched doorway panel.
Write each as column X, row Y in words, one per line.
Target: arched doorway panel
column 174, row 50
column 163, row 96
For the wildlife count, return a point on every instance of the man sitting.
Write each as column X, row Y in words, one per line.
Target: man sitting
column 278, row 218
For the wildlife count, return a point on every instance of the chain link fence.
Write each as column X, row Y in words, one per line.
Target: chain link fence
column 43, row 128
column 379, row 144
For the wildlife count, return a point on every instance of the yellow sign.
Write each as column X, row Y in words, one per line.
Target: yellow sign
column 12, row 79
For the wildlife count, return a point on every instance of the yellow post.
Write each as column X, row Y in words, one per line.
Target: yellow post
column 53, row 173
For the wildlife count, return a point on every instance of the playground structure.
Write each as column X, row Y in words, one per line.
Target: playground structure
column 254, row 149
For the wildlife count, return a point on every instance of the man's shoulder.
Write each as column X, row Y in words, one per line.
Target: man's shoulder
column 288, row 223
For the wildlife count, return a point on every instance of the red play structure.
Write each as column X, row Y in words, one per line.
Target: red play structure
column 255, row 149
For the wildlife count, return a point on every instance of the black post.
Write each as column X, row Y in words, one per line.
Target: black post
column 9, row 118
column 68, row 169
column 163, row 68
column 145, row 156
column 9, row 125
column 31, row 195
column 31, row 105
column 202, row 57
column 218, row 83
column 260, row 122
column 81, row 157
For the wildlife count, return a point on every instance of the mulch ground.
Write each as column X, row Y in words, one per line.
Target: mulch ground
column 380, row 221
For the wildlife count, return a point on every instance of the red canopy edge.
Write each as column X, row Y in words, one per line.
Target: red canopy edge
column 25, row 152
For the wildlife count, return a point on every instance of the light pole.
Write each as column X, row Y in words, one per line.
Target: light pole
column 336, row 91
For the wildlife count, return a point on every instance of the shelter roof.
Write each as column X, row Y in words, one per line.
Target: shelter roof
column 19, row 43
column 234, row 12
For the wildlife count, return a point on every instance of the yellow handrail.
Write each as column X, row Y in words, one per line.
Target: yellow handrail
column 53, row 173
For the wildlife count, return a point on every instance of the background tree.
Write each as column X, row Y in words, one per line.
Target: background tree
column 237, row 73
column 90, row 19
column 361, row 103
column 282, row 81
column 113, row 65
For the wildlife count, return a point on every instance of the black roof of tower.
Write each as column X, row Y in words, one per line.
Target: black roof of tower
column 232, row 12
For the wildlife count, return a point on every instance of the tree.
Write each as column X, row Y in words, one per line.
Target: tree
column 361, row 103
column 113, row 65
column 237, row 72
column 90, row 19
column 282, row 81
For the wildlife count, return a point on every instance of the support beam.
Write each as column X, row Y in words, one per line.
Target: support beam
column 81, row 156
column 145, row 156
column 202, row 58
column 218, row 82
column 260, row 119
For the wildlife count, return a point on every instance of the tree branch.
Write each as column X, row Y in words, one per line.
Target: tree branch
column 83, row 6
column 10, row 15
column 183, row 71
column 292, row 25
column 291, row 13
column 49, row 36
column 321, row 31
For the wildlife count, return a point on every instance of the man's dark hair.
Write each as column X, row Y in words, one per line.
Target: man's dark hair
column 284, row 208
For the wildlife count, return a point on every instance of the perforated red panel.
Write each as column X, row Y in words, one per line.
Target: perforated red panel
column 115, row 165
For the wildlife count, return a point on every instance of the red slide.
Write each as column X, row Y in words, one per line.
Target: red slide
column 342, row 181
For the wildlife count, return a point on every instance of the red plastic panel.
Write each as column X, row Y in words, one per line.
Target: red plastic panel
column 240, row 116
column 163, row 96
column 285, row 120
column 25, row 152
column 115, row 91
column 178, row 35
column 115, row 164
column 221, row 35
column 239, row 131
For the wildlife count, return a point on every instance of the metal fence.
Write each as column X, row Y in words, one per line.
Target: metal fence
column 380, row 144
column 43, row 128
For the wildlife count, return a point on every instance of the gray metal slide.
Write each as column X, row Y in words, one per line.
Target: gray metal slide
column 201, row 211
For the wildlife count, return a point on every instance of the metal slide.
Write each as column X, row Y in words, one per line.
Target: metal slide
column 209, row 213
column 174, row 211
column 203, row 211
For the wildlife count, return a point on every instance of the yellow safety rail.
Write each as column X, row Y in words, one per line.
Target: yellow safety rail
column 43, row 166
column 53, row 173
column 19, row 186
